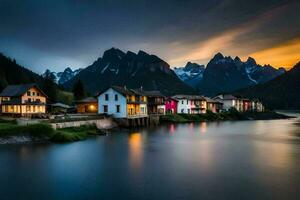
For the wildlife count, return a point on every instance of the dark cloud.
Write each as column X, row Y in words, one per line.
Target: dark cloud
column 56, row 34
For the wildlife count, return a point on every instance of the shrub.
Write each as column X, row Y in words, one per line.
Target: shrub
column 39, row 130
column 62, row 136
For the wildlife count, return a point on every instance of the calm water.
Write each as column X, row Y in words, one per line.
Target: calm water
column 227, row 160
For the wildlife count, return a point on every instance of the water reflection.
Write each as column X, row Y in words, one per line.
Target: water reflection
column 171, row 128
column 135, row 150
column 203, row 127
column 245, row 160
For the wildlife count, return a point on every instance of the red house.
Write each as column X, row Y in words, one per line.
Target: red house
column 171, row 105
column 247, row 105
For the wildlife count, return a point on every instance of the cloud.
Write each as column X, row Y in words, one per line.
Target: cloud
column 236, row 41
column 282, row 55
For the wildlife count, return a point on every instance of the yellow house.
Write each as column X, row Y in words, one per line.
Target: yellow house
column 23, row 100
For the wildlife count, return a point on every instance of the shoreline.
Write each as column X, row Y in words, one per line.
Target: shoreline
column 226, row 116
column 43, row 133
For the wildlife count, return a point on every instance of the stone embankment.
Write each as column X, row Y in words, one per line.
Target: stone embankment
column 105, row 123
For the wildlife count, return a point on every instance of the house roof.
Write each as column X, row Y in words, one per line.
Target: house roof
column 225, row 97
column 123, row 90
column 88, row 100
column 209, row 100
column 153, row 93
column 18, row 90
column 190, row 97
column 172, row 99
column 60, row 105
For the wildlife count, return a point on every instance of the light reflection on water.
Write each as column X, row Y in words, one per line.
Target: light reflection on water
column 217, row 160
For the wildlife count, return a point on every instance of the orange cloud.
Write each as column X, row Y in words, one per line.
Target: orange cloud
column 283, row 55
column 226, row 42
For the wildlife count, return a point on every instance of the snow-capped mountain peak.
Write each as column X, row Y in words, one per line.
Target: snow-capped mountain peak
column 61, row 77
column 191, row 73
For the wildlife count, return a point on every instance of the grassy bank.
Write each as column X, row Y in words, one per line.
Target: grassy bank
column 229, row 115
column 10, row 128
column 75, row 134
column 44, row 131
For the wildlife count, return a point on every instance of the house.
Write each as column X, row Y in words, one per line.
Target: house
column 58, row 108
column 155, row 101
column 87, row 105
column 171, row 105
column 24, row 100
column 257, row 106
column 230, row 101
column 122, row 102
column 247, row 105
column 190, row 104
column 214, row 106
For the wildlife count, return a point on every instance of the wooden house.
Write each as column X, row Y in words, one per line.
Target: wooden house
column 24, row 100
column 87, row 105
column 155, row 101
column 213, row 105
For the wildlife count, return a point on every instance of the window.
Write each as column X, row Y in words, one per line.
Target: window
column 29, row 99
column 105, row 108
column 33, row 93
column 33, row 108
column 118, row 108
column 27, row 108
column 182, row 102
column 38, row 94
column 106, row 97
column 116, row 97
column 187, row 102
column 182, row 110
column 28, row 93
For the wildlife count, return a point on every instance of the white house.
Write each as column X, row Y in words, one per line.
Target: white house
column 190, row 104
column 183, row 105
column 122, row 103
column 230, row 101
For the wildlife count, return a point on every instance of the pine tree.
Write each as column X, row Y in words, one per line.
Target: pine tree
column 78, row 90
column 50, row 88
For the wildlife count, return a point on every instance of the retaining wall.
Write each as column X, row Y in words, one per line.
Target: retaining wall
column 106, row 123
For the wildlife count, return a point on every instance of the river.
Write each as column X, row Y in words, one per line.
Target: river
column 217, row 160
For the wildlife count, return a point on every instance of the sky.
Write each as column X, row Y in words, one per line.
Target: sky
column 55, row 34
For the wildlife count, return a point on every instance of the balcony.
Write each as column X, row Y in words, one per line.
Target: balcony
column 133, row 116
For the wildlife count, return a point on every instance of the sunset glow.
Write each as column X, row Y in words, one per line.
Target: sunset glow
column 283, row 55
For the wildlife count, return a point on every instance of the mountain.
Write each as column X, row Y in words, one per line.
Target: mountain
column 191, row 74
column 116, row 67
column 224, row 74
column 13, row 73
column 280, row 93
column 62, row 77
